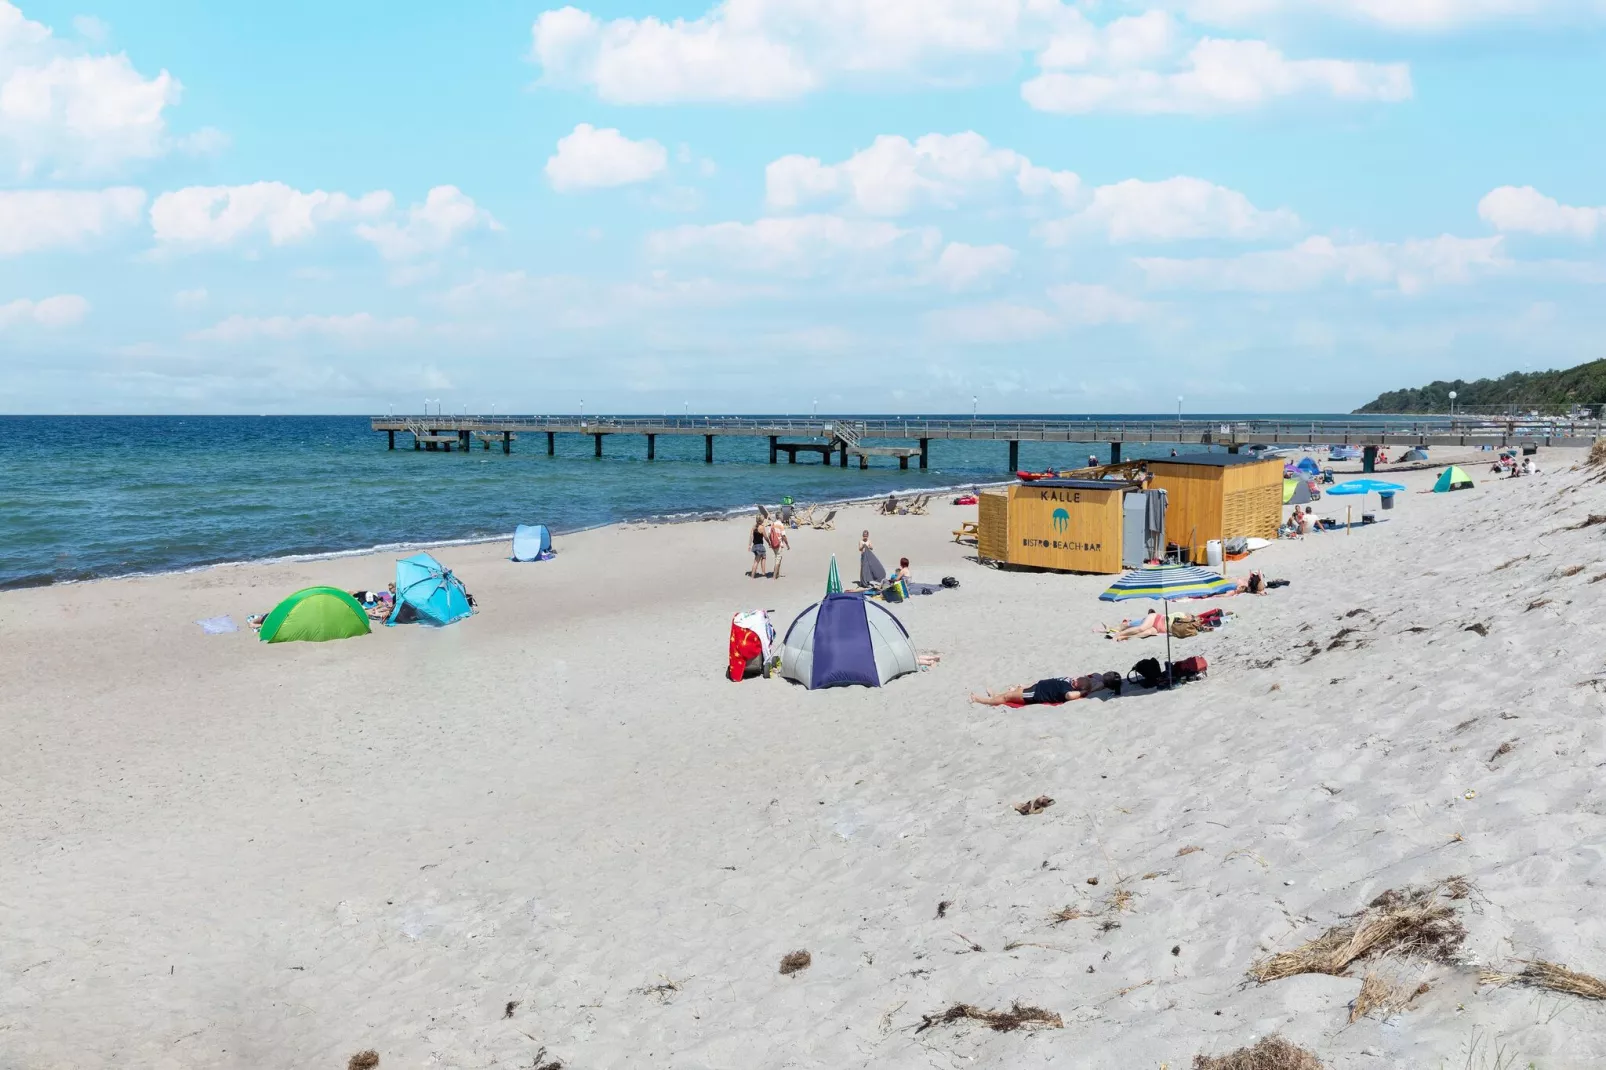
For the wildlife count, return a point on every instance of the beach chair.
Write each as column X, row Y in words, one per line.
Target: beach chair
column 803, row 518
column 826, row 524
column 921, row 506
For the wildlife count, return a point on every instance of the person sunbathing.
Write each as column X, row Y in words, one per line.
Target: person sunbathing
column 1150, row 625
column 1050, row 692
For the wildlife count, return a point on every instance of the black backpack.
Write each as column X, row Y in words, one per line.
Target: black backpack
column 950, row 582
column 1147, row 673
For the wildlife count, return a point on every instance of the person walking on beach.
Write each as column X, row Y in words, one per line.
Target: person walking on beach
column 758, row 549
column 778, row 542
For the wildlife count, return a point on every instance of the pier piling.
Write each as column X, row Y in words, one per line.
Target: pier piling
column 392, row 435
column 708, row 449
column 773, row 440
column 1014, row 455
column 598, row 437
column 551, row 443
column 925, row 452
column 652, row 447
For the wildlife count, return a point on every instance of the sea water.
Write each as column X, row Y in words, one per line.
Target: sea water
column 83, row 497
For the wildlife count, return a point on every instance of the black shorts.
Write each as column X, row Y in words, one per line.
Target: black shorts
column 1051, row 692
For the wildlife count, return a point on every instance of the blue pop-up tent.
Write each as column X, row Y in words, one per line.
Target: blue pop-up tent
column 530, row 541
column 428, row 592
column 846, row 639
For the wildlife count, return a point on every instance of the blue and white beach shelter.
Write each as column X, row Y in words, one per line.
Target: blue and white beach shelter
column 427, row 591
column 846, row 639
column 530, row 541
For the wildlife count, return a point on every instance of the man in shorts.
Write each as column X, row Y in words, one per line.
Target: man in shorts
column 778, row 542
column 1050, row 692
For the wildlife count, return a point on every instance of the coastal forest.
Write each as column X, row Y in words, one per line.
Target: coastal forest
column 1550, row 392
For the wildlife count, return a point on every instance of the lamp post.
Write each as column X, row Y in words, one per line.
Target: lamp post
column 1452, row 408
column 973, row 408
column 1179, row 408
column 815, row 411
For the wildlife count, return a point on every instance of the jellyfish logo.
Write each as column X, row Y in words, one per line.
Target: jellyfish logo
column 1062, row 520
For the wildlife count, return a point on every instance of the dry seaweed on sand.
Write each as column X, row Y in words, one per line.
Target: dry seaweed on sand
column 1272, row 1053
column 1017, row 1017
column 1416, row 921
column 1380, row 994
column 1188, row 850
column 1060, row 917
column 539, row 1064
column 1537, row 973
column 1034, row 806
column 363, row 1060
column 795, row 961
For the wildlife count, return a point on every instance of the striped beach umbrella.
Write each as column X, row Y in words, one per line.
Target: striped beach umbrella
column 1163, row 583
column 1166, row 582
column 833, row 582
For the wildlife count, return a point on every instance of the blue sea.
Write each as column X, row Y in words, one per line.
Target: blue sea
column 85, row 497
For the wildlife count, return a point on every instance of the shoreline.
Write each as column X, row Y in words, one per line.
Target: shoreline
column 654, row 520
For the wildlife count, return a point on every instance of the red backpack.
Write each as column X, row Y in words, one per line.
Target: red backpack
column 1189, row 668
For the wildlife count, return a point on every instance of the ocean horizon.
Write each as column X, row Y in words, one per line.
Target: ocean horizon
column 94, row 497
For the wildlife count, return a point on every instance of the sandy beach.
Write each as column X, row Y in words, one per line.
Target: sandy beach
column 556, row 832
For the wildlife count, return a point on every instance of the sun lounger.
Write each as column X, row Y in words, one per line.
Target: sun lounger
column 826, row 524
column 921, row 506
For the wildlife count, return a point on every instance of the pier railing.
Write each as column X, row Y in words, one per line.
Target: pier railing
column 1473, row 429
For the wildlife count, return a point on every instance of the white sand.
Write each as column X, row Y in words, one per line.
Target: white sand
column 221, row 853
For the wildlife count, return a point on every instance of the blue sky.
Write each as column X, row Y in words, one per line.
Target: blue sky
column 879, row 205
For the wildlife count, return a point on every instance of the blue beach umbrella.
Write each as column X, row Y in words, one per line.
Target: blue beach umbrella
column 1366, row 486
column 1162, row 584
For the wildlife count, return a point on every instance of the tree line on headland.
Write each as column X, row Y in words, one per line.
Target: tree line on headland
column 1549, row 392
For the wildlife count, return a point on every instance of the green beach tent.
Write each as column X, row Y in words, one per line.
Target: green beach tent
column 1296, row 492
column 314, row 615
column 1452, row 479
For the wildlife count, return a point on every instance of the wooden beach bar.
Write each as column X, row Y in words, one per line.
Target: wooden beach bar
column 1070, row 525
column 1219, row 496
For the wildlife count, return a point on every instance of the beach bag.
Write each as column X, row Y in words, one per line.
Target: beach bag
column 1147, row 673
column 746, row 652
column 1189, row 669
column 774, row 538
column 894, row 592
column 1211, row 618
column 949, row 581
column 1184, row 627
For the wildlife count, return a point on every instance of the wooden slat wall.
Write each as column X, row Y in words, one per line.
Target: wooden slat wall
column 1252, row 500
column 1193, row 503
column 992, row 525
column 1086, row 537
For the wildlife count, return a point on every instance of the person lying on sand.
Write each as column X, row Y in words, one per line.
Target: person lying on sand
column 1050, row 692
column 1151, row 624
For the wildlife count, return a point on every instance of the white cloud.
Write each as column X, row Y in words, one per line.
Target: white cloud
column 31, row 220
column 796, row 245
column 1409, row 266
column 190, row 298
column 590, row 158
column 964, row 267
column 1394, row 14
column 1217, row 75
column 357, row 329
column 79, row 113
column 1091, row 305
column 198, row 217
column 894, row 175
column 63, row 310
column 1524, row 210
column 1136, row 40
column 747, row 50
column 430, row 227
column 1175, row 209
column 91, row 29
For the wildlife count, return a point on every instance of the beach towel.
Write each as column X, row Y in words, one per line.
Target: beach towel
column 871, row 570
column 218, row 625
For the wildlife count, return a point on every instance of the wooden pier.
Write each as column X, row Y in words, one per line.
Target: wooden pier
column 843, row 438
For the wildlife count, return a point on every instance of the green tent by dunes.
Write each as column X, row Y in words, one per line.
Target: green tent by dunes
column 1452, row 478
column 314, row 615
